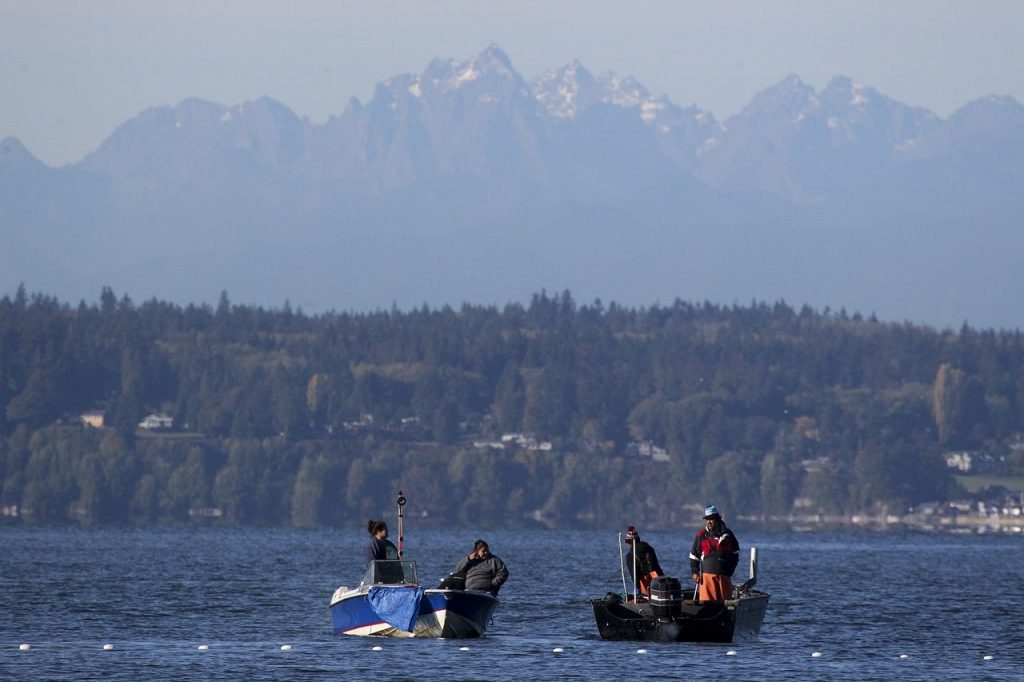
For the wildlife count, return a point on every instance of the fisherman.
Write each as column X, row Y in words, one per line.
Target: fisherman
column 484, row 571
column 713, row 557
column 379, row 548
column 647, row 566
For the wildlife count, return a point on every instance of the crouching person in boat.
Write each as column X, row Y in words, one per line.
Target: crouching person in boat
column 713, row 557
column 483, row 570
column 646, row 561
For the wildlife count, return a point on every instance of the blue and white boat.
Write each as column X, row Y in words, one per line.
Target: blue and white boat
column 389, row 602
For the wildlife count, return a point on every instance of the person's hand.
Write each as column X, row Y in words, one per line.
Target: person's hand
column 696, row 578
column 472, row 555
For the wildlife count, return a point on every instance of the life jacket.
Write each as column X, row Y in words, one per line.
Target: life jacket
column 718, row 554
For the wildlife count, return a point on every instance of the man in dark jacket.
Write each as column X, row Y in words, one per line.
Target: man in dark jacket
column 647, row 566
column 484, row 571
column 713, row 557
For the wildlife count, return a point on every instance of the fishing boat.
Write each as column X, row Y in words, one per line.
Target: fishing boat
column 668, row 616
column 390, row 602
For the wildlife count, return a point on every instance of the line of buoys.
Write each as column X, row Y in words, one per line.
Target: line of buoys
column 108, row 647
column 25, row 647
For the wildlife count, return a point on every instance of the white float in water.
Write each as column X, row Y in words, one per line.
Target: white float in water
column 378, row 648
column 286, row 647
column 25, row 647
column 108, row 647
column 641, row 651
column 730, row 652
column 463, row 648
column 816, row 654
column 557, row 650
column 203, row 647
column 987, row 658
column 904, row 656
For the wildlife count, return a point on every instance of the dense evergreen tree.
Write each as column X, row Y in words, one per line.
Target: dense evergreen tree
column 281, row 417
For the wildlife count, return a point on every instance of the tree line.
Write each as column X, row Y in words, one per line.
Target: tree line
column 285, row 417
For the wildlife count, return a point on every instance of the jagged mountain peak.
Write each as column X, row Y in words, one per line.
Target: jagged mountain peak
column 570, row 90
column 490, row 68
column 623, row 91
column 790, row 97
column 565, row 92
column 855, row 93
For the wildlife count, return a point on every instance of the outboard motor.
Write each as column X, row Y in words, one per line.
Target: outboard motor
column 666, row 598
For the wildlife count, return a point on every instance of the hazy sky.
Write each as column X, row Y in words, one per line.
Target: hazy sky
column 72, row 70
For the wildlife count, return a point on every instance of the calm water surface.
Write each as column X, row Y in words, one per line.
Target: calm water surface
column 860, row 600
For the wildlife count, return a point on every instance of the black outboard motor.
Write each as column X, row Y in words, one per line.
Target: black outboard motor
column 666, row 598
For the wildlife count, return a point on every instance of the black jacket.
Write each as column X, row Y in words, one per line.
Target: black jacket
column 646, row 560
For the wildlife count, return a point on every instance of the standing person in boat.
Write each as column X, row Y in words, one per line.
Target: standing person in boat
column 713, row 557
column 484, row 571
column 647, row 566
column 379, row 547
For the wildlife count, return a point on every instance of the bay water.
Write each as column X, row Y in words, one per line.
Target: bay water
column 844, row 605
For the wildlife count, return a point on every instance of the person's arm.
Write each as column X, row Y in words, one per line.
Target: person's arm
column 695, row 558
column 653, row 561
column 500, row 574
column 462, row 565
column 729, row 548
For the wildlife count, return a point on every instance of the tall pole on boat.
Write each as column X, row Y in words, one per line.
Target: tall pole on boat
column 622, row 568
column 635, row 581
column 401, row 531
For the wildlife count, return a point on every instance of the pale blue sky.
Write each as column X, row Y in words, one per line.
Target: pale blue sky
column 71, row 71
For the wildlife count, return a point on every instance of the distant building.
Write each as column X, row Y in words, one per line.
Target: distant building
column 646, row 448
column 970, row 462
column 525, row 441
column 95, row 419
column 157, row 422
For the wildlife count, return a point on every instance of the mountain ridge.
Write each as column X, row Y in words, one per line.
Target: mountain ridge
column 567, row 169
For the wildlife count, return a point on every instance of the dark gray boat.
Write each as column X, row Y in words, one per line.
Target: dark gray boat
column 668, row 616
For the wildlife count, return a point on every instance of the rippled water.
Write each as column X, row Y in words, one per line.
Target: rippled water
column 861, row 601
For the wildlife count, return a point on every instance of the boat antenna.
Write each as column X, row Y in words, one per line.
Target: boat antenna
column 622, row 568
column 401, row 532
column 635, row 577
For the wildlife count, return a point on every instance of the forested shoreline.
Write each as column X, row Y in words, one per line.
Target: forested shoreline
column 286, row 418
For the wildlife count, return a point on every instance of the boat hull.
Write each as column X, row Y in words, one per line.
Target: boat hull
column 451, row 614
column 734, row 620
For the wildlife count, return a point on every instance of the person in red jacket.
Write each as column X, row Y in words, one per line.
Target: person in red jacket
column 713, row 557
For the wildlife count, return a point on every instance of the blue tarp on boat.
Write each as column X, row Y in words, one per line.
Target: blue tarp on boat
column 399, row 607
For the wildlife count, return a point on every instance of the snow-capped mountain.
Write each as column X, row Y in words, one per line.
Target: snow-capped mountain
column 468, row 175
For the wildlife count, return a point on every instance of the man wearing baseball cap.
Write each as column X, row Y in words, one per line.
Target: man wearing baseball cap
column 713, row 557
